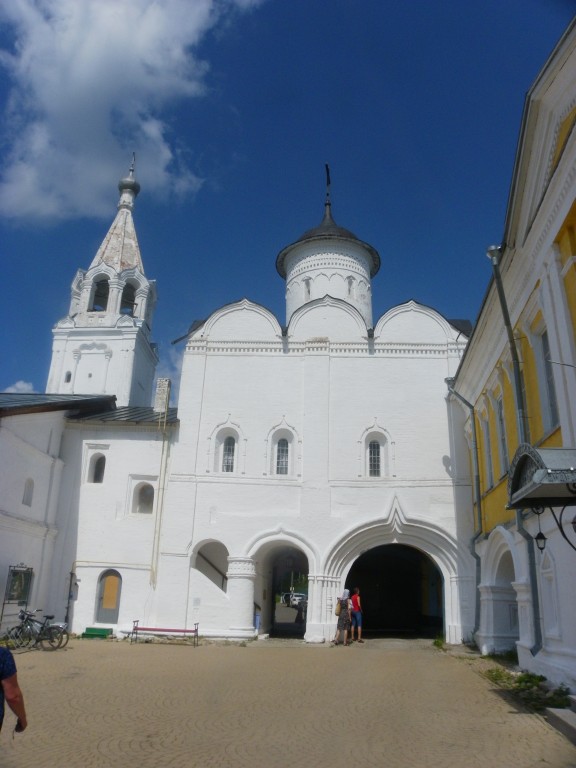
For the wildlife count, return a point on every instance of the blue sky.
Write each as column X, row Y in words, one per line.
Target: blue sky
column 233, row 107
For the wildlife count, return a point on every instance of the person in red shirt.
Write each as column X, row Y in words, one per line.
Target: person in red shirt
column 356, row 615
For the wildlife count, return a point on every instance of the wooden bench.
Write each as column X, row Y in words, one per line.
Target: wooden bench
column 136, row 629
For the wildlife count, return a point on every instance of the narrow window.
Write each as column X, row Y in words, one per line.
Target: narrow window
column 100, row 301
column 502, row 436
column 145, row 499
column 28, row 494
column 282, row 457
column 489, row 477
column 228, row 455
column 128, row 302
column 551, row 404
column 307, row 282
column 98, row 469
column 524, row 406
column 68, row 377
column 374, row 458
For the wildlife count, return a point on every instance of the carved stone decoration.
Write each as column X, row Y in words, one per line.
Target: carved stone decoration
column 241, row 568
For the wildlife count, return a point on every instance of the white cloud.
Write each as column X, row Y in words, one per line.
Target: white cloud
column 21, row 387
column 89, row 84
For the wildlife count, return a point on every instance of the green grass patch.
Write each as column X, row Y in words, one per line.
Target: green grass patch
column 530, row 689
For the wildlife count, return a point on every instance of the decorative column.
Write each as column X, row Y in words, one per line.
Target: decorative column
column 115, row 296
column 241, row 576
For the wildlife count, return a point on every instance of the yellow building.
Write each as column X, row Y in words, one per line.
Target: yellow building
column 517, row 381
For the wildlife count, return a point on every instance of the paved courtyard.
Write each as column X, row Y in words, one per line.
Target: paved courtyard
column 282, row 704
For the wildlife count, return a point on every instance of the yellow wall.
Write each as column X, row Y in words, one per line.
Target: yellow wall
column 494, row 510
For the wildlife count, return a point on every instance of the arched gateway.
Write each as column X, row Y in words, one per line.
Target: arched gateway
column 412, row 575
column 401, row 591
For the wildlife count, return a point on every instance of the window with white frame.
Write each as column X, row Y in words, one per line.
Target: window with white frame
column 489, row 476
column 281, row 451
column 224, row 455
column 524, row 406
column 547, row 388
column 374, row 466
column 228, row 454
column 282, row 456
column 376, row 455
column 502, row 443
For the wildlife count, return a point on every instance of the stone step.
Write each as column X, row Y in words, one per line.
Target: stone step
column 96, row 632
column 564, row 720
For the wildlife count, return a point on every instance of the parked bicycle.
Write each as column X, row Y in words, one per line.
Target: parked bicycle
column 35, row 632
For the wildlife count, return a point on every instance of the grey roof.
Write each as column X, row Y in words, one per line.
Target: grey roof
column 328, row 229
column 541, row 477
column 14, row 403
column 464, row 326
column 131, row 415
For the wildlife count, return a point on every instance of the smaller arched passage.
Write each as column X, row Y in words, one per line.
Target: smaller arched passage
column 281, row 587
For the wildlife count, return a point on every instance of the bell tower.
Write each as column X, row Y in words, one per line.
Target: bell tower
column 103, row 345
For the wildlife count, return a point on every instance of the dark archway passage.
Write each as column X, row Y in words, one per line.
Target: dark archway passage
column 290, row 590
column 401, row 590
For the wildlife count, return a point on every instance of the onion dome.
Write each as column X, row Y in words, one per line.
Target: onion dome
column 328, row 230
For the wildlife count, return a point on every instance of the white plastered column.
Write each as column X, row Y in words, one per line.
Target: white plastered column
column 323, row 592
column 241, row 577
column 561, row 339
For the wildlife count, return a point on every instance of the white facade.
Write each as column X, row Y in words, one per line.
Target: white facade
column 329, row 443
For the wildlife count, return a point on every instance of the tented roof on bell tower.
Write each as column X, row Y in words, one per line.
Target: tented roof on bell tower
column 120, row 249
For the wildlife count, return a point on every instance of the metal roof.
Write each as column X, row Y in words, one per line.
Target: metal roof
column 541, row 477
column 131, row 415
column 328, row 230
column 14, row 403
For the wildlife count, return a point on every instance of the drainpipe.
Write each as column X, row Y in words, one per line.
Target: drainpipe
column 161, row 406
column 476, row 496
column 494, row 253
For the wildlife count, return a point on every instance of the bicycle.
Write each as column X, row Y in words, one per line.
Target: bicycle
column 63, row 627
column 32, row 631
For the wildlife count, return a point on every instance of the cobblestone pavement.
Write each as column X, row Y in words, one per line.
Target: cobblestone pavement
column 387, row 704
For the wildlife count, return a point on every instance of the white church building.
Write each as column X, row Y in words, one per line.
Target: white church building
column 305, row 454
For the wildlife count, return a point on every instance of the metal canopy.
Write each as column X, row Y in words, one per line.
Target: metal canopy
column 542, row 477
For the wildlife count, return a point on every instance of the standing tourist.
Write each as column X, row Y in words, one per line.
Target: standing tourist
column 344, row 617
column 356, row 615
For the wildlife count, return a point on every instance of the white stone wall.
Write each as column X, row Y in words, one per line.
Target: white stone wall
column 328, row 398
column 29, row 451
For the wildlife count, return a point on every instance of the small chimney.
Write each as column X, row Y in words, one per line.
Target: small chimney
column 162, row 397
